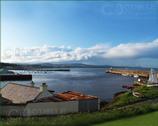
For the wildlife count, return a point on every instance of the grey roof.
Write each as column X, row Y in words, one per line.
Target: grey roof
column 18, row 93
column 4, row 101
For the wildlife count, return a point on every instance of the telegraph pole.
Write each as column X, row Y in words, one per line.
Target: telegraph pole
column 0, row 35
column 0, row 49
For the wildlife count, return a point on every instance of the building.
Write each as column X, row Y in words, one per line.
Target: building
column 152, row 81
column 21, row 94
column 4, row 101
column 28, row 100
column 86, row 103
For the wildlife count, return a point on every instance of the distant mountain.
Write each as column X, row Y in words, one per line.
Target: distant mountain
column 48, row 65
column 15, row 66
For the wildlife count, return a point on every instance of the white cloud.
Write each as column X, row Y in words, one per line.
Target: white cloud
column 100, row 52
column 51, row 54
column 132, row 50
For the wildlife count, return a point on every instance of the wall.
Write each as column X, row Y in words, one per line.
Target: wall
column 39, row 109
column 12, row 110
column 130, row 72
column 89, row 105
column 51, row 108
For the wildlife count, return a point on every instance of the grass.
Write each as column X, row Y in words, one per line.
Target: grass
column 143, row 120
column 127, row 98
column 148, row 92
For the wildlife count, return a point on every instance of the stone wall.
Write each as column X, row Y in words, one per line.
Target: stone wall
column 39, row 109
column 89, row 105
column 50, row 108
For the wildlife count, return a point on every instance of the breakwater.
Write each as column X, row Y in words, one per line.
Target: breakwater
column 15, row 77
column 124, row 72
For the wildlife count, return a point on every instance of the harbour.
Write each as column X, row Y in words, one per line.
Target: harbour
column 88, row 80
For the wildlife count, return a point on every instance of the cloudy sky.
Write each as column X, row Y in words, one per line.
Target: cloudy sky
column 112, row 33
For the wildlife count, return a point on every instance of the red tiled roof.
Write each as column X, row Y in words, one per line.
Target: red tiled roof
column 71, row 95
column 19, row 93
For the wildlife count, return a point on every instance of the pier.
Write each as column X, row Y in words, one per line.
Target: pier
column 15, row 77
column 140, row 73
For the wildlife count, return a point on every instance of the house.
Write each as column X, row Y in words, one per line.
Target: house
column 29, row 100
column 86, row 103
column 21, row 94
column 4, row 101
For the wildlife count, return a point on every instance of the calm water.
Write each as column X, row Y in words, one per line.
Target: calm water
column 92, row 81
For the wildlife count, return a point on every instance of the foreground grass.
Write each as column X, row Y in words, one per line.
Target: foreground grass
column 143, row 120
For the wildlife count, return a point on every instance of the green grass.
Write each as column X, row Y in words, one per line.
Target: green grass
column 148, row 92
column 127, row 98
column 143, row 120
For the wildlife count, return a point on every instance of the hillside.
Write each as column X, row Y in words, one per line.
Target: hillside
column 148, row 93
column 48, row 65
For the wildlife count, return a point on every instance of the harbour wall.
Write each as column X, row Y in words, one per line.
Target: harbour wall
column 124, row 72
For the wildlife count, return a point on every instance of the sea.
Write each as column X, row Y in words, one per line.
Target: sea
column 92, row 81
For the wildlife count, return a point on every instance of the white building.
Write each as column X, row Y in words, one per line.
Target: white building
column 28, row 100
column 153, row 81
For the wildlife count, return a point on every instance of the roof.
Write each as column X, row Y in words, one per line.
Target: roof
column 49, row 99
column 72, row 95
column 21, row 94
column 4, row 101
column 18, row 93
column 66, row 96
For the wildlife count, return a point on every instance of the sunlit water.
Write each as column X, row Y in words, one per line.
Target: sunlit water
column 93, row 81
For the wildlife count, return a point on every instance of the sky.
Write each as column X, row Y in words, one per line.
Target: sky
column 113, row 33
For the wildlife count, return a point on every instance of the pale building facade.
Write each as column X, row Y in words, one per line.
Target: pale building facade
column 28, row 100
column 152, row 81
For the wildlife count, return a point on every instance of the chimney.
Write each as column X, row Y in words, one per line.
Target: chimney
column 32, row 84
column 43, row 87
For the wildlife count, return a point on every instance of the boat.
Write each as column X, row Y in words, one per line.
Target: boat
column 135, row 76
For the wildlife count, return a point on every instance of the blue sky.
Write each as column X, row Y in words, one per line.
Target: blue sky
column 81, row 25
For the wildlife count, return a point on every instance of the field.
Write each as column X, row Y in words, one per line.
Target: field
column 143, row 120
